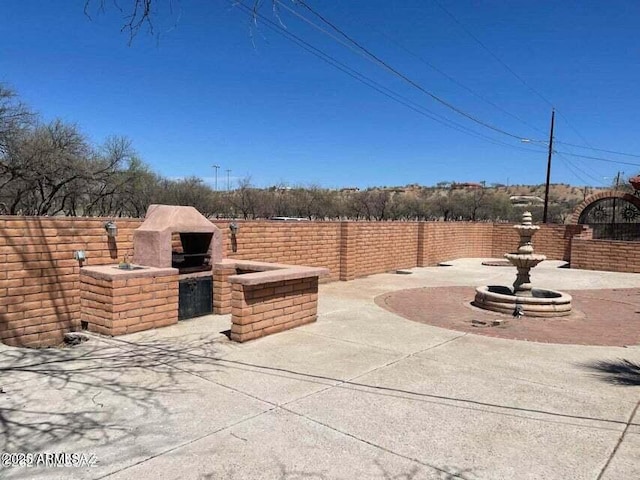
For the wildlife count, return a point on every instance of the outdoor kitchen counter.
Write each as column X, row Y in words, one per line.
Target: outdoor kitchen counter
column 265, row 298
column 115, row 301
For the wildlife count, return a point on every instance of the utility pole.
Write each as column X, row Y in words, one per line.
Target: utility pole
column 546, row 188
column 216, row 167
column 613, row 216
column 228, row 183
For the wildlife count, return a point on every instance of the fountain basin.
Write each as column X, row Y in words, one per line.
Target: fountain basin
column 520, row 260
column 541, row 303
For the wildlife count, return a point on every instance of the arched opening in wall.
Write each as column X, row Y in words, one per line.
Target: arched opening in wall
column 613, row 218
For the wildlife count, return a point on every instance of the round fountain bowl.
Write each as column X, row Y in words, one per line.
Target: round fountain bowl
column 528, row 260
column 541, row 303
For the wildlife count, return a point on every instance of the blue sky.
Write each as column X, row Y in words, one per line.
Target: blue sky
column 209, row 88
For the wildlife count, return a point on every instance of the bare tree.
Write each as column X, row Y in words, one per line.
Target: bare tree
column 141, row 14
column 42, row 168
column 473, row 202
column 15, row 117
column 244, row 199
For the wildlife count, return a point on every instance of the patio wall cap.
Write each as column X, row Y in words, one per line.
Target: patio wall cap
column 265, row 272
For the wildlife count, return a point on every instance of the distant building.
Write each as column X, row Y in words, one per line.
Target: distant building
column 525, row 200
column 350, row 189
column 466, row 186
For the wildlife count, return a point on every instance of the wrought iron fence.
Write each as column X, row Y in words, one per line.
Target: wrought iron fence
column 612, row 219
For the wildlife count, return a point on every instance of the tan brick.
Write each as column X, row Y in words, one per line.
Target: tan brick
column 273, row 313
column 150, row 316
column 11, row 300
column 24, row 306
column 262, row 324
column 245, row 337
column 138, row 298
column 275, row 329
column 165, row 322
column 257, row 308
column 237, row 328
column 169, row 307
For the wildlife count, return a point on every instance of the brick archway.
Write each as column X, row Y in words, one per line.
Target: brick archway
column 596, row 197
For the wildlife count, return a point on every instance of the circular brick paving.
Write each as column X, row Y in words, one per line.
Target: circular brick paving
column 599, row 317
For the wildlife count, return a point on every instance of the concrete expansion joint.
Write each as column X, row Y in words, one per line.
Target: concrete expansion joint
column 122, row 344
column 350, row 381
column 352, row 342
column 186, row 444
column 371, row 444
column 619, row 442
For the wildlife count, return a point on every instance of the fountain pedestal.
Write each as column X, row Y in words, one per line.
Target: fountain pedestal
column 522, row 286
column 524, row 299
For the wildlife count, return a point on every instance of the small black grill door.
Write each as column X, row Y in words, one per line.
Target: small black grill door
column 195, row 297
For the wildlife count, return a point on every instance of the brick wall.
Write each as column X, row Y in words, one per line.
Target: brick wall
column 440, row 241
column 609, row 255
column 39, row 278
column 554, row 241
column 259, row 310
column 385, row 246
column 315, row 244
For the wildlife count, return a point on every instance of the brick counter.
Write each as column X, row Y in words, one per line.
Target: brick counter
column 115, row 302
column 259, row 310
column 265, row 298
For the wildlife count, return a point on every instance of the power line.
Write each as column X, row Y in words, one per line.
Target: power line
column 457, row 82
column 372, row 83
column 609, row 160
column 574, row 168
column 600, row 159
column 596, row 177
column 393, row 95
column 509, row 69
column 601, row 150
column 372, row 57
column 495, row 57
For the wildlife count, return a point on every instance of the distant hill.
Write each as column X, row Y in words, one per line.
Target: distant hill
column 558, row 192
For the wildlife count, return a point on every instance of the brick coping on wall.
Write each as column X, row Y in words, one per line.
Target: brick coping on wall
column 264, row 272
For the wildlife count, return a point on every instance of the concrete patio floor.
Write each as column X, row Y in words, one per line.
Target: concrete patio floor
column 361, row 393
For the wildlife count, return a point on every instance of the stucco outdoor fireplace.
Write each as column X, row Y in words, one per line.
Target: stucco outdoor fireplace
column 170, row 278
column 181, row 238
column 178, row 272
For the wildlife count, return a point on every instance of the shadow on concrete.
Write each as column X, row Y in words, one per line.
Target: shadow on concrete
column 197, row 361
column 444, row 473
column 616, row 372
column 91, row 376
column 35, row 414
column 415, row 472
column 102, row 373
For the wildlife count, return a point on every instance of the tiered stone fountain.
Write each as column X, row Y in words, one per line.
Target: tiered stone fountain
column 523, row 299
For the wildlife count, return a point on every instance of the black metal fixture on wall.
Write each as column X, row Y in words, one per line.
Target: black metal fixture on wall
column 234, row 241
